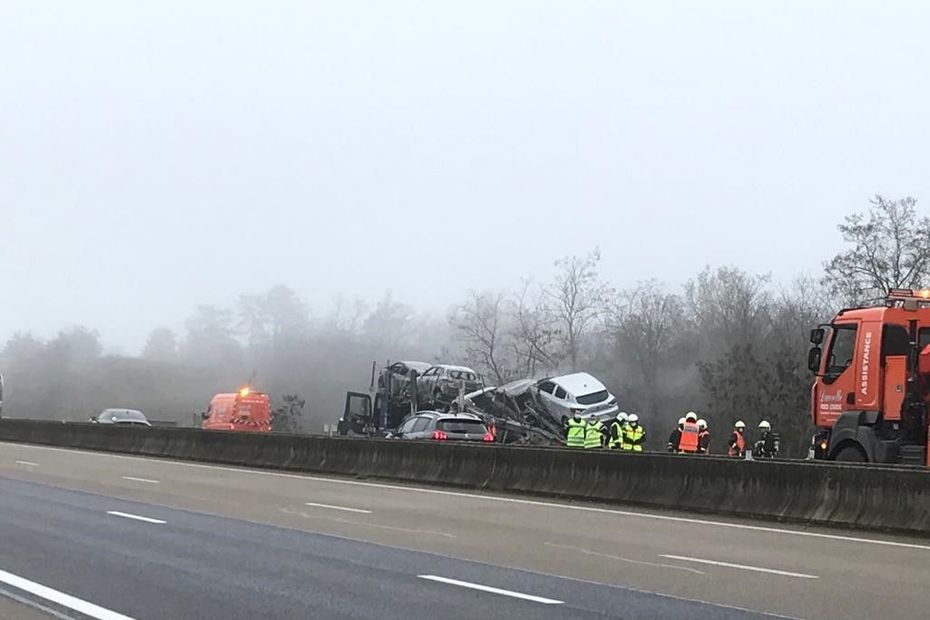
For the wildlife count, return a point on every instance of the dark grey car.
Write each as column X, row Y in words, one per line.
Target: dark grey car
column 444, row 427
column 122, row 417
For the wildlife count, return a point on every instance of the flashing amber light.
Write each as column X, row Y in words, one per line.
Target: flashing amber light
column 823, row 445
column 244, row 391
column 908, row 293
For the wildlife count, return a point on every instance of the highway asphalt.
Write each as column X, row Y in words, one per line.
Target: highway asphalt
column 148, row 538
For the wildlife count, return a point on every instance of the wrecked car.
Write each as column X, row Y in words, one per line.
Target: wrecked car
column 440, row 384
column 578, row 392
column 395, row 379
column 536, row 411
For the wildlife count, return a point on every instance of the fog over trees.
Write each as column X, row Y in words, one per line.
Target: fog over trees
column 728, row 344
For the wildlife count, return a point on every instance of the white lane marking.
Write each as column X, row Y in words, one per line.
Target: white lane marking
column 60, row 598
column 146, row 480
column 756, row 569
column 623, row 559
column 126, row 515
column 29, row 463
column 478, row 586
column 418, row 531
column 342, row 508
column 4, row 592
column 493, row 498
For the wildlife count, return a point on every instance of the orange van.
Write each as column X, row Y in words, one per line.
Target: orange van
column 245, row 410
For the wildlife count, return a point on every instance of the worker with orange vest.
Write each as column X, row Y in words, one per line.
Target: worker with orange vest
column 690, row 435
column 737, row 441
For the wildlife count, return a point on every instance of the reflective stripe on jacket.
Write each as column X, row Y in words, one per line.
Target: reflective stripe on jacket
column 689, row 438
column 592, row 435
column 575, row 436
column 617, row 429
column 633, row 438
column 704, row 441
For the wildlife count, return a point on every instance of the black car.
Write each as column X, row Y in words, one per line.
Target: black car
column 121, row 417
column 444, row 427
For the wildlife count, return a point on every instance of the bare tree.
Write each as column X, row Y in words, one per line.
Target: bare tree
column 210, row 339
column 647, row 325
column 253, row 321
column 480, row 324
column 161, row 346
column 287, row 418
column 286, row 312
column 890, row 249
column 389, row 326
column 577, row 298
column 533, row 332
column 728, row 307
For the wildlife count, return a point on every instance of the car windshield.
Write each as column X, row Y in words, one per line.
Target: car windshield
column 594, row 397
column 461, row 426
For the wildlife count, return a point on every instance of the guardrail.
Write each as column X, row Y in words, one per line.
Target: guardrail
column 856, row 496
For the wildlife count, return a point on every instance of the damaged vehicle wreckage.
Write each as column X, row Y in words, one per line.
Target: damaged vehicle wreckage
column 528, row 411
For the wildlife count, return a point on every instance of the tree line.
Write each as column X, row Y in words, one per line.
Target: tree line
column 728, row 344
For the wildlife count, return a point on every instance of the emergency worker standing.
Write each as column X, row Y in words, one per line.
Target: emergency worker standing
column 703, row 437
column 575, row 431
column 675, row 438
column 688, row 444
column 617, row 428
column 635, row 435
column 737, row 447
column 767, row 445
column 592, row 433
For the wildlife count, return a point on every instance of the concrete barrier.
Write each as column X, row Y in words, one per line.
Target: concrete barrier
column 855, row 496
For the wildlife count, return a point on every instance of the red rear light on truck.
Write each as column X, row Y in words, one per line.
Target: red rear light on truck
column 439, row 436
column 488, row 437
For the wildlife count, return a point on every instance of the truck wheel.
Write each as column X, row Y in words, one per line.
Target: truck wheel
column 850, row 454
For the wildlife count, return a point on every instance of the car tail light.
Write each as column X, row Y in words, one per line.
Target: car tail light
column 440, row 436
column 488, row 437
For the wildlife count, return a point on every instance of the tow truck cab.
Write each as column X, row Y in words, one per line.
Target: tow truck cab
column 870, row 397
column 245, row 410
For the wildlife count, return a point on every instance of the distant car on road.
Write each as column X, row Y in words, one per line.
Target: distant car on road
column 440, row 384
column 444, row 427
column 121, row 417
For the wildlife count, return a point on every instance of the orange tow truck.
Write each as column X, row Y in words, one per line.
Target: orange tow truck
column 871, row 395
column 245, row 410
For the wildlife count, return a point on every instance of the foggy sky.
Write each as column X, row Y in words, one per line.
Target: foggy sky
column 158, row 155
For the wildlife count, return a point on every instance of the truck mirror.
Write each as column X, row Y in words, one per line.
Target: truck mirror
column 817, row 336
column 813, row 359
